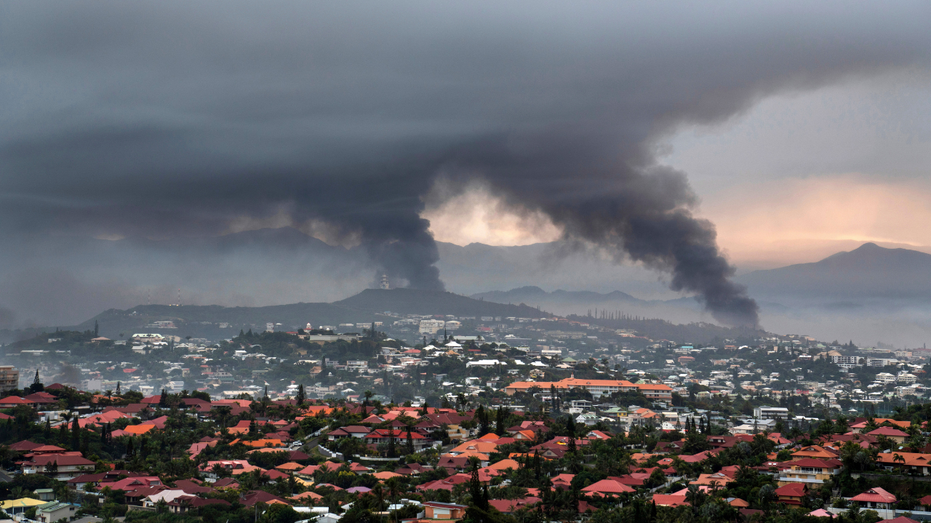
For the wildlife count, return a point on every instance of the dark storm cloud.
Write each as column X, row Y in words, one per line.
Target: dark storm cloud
column 175, row 119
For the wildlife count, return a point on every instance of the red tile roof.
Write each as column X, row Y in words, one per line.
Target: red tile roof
column 875, row 495
column 607, row 486
column 888, row 431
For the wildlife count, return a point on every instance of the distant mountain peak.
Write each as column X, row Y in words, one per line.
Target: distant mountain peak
column 868, row 272
column 529, row 289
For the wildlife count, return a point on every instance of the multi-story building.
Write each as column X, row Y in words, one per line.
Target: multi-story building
column 9, row 378
column 597, row 388
column 810, row 471
column 431, row 326
column 771, row 413
column 357, row 365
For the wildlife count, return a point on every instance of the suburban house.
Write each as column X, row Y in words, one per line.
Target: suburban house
column 810, row 471
column 54, row 511
column 792, row 493
column 444, row 511
column 59, row 466
column 895, row 435
column 875, row 498
column 915, row 462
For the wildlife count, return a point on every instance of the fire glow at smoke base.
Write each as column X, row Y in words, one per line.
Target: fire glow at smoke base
column 173, row 120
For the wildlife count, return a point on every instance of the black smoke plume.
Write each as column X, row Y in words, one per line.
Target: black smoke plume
column 634, row 211
column 163, row 120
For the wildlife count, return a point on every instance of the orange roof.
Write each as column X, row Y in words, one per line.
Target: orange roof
column 475, row 446
column 646, row 413
column 505, row 464
column 640, row 457
column 245, row 468
column 569, row 383
column 880, row 421
column 716, row 478
column 471, row 453
column 304, row 496
column 386, row 475
column 526, row 455
column 139, row 429
column 652, row 386
column 915, row 459
column 318, row 409
column 261, row 443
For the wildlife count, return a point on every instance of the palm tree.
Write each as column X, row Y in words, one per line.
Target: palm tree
column 897, row 458
column 694, row 496
column 379, row 492
column 714, row 486
column 394, row 487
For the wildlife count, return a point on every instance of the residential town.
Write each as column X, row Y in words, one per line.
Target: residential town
column 531, row 420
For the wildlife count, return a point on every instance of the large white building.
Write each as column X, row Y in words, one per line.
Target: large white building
column 431, row 327
column 771, row 413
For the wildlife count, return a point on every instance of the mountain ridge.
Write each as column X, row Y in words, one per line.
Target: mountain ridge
column 364, row 307
column 867, row 272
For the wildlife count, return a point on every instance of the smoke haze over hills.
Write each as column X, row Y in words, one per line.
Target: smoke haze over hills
column 870, row 294
column 169, row 120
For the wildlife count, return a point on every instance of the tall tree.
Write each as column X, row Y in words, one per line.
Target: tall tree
column 410, row 438
column 475, row 486
column 300, row 395
column 501, row 417
column 75, row 434
column 392, row 446
column 36, row 384
column 482, row 418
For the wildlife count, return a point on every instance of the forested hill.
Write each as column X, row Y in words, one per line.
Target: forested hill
column 657, row 329
column 415, row 301
column 214, row 321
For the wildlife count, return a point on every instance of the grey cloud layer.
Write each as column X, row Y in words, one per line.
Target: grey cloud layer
column 168, row 119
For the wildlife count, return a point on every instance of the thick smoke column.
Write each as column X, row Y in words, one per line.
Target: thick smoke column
column 634, row 211
column 172, row 120
column 406, row 254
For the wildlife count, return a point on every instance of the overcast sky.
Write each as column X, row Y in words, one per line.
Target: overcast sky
column 382, row 124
